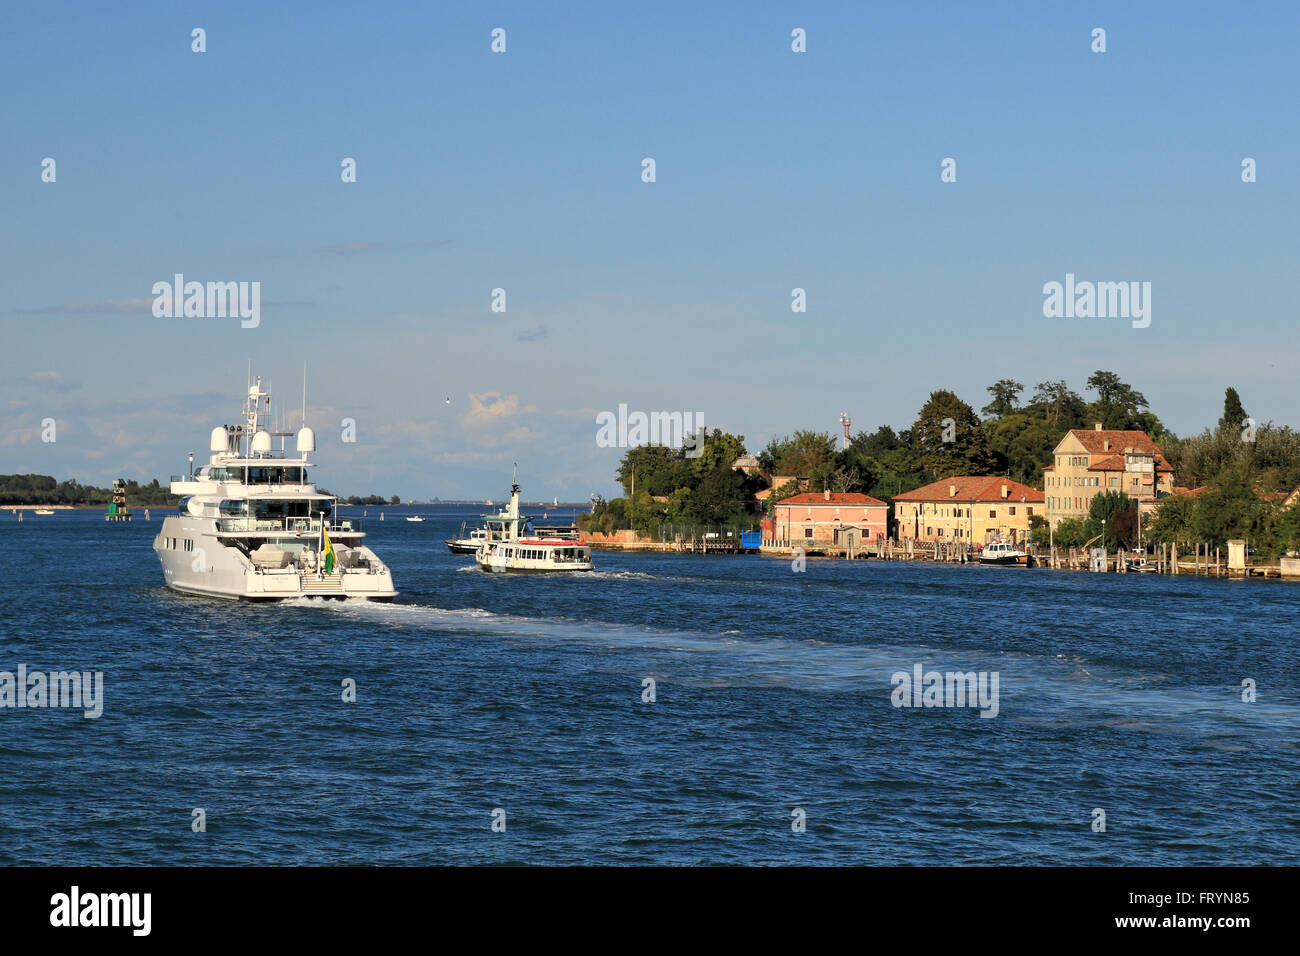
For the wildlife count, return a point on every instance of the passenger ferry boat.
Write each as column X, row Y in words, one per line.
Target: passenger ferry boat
column 510, row 547
column 1003, row 552
column 251, row 525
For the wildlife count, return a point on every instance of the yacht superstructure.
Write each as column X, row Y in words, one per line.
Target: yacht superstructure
column 252, row 525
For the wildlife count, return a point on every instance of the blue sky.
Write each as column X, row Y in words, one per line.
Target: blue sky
column 522, row 171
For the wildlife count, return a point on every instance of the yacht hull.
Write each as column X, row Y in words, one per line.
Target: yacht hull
column 195, row 561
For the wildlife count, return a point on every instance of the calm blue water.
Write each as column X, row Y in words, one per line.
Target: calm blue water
column 773, row 692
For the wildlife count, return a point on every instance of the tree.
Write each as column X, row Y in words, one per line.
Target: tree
column 1005, row 394
column 659, row 470
column 1023, row 442
column 798, row 455
column 720, row 450
column 1054, row 396
column 1039, row 531
column 949, row 439
column 1234, row 415
column 1119, row 405
column 1113, row 515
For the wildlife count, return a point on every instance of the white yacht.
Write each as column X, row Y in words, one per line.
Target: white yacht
column 251, row 525
column 510, row 547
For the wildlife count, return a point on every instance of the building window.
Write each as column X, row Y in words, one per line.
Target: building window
column 807, row 532
column 993, row 512
column 1013, row 510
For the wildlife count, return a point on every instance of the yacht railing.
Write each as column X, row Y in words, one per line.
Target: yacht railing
column 305, row 526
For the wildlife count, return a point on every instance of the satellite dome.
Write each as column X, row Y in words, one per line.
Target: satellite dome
column 306, row 439
column 262, row 443
column 218, row 440
column 194, row 507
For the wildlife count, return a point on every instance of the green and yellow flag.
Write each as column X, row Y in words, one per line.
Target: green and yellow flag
column 329, row 553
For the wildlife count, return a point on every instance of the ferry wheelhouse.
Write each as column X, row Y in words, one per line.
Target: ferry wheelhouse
column 251, row 525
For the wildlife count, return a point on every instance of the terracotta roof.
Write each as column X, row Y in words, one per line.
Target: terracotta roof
column 973, row 488
column 836, row 498
column 1193, row 492
column 1114, row 441
column 1116, row 463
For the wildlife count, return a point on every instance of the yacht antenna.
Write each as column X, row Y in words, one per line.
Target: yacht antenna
column 304, row 394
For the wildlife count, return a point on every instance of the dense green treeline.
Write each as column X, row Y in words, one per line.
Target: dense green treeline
column 44, row 490
column 1246, row 469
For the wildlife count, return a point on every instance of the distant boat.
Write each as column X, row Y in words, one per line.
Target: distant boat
column 414, row 518
column 508, row 548
column 45, row 511
column 1137, row 562
column 1004, row 553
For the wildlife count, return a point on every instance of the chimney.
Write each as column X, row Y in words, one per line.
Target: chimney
column 1096, row 426
column 1006, row 490
column 827, row 493
column 1105, row 444
column 952, row 491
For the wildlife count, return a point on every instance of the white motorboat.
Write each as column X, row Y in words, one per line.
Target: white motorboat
column 1136, row 562
column 44, row 511
column 513, row 546
column 414, row 518
column 252, row 526
column 1001, row 552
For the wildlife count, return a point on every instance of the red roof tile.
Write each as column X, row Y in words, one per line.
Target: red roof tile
column 973, row 488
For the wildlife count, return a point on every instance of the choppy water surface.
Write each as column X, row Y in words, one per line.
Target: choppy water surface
column 773, row 689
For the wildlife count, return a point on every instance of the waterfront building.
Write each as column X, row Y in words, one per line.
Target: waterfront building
column 821, row 519
column 1088, row 462
column 968, row 509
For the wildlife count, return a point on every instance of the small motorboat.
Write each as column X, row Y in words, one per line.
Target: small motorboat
column 467, row 544
column 414, row 518
column 44, row 511
column 1136, row 562
column 1004, row 553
